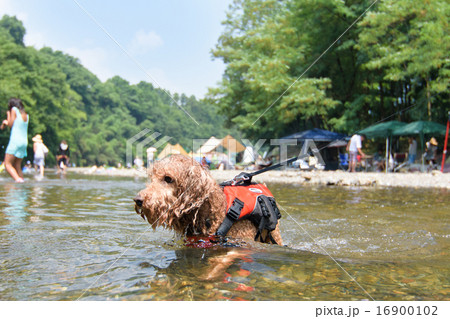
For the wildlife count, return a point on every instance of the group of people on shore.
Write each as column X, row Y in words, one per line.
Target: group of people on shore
column 354, row 147
column 17, row 120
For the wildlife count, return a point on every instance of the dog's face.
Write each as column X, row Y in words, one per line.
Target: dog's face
column 178, row 188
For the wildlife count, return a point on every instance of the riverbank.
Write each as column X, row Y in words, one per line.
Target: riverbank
column 434, row 179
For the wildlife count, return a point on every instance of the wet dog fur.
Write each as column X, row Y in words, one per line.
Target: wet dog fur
column 184, row 197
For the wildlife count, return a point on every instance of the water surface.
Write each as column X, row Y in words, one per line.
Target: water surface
column 79, row 238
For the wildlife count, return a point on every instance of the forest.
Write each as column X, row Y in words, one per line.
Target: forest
column 290, row 65
column 332, row 64
column 66, row 101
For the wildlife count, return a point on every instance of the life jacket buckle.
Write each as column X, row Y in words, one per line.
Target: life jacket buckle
column 234, row 212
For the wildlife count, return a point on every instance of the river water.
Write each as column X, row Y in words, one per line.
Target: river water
column 78, row 238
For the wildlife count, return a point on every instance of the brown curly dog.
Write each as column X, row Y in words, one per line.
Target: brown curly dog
column 183, row 196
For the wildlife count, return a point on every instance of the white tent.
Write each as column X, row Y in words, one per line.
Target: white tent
column 170, row 149
column 250, row 155
column 209, row 146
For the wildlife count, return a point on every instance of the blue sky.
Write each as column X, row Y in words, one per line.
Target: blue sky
column 170, row 39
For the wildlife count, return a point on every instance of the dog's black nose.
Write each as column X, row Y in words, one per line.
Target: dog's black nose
column 138, row 200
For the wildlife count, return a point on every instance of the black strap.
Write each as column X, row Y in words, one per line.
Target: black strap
column 272, row 239
column 233, row 214
column 258, row 235
column 265, row 218
column 275, row 207
column 263, row 240
column 262, row 223
column 224, row 227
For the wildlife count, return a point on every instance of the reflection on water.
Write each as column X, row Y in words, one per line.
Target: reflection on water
column 61, row 239
column 15, row 212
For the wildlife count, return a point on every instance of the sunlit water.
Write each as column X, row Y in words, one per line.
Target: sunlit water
column 79, row 238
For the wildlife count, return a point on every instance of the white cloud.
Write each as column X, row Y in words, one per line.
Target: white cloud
column 94, row 59
column 143, row 42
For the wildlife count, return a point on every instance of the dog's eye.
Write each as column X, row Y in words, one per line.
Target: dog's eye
column 168, row 179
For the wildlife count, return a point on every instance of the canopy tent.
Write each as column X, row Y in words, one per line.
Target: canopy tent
column 209, row 146
column 326, row 139
column 222, row 150
column 249, row 155
column 317, row 135
column 214, row 145
column 421, row 128
column 229, row 142
column 338, row 143
column 170, row 149
column 384, row 129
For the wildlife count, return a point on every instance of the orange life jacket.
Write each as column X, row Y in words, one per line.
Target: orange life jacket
column 254, row 202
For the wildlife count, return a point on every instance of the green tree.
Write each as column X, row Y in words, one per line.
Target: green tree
column 407, row 45
column 268, row 46
column 37, row 80
column 303, row 63
column 14, row 28
column 66, row 101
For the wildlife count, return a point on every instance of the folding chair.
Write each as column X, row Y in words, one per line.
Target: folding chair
column 343, row 161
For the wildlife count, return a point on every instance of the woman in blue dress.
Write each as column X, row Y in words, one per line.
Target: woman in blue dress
column 17, row 119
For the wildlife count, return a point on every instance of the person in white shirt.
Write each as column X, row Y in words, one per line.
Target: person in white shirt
column 40, row 150
column 354, row 147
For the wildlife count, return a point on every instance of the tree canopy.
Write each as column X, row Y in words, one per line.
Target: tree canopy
column 298, row 64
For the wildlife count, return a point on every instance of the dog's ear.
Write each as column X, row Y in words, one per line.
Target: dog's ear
column 194, row 190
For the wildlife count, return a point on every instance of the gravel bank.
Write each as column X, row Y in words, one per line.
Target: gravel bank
column 434, row 179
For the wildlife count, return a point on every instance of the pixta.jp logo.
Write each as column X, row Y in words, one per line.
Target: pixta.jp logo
column 147, row 141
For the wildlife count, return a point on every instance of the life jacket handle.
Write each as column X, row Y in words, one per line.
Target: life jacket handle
column 244, row 178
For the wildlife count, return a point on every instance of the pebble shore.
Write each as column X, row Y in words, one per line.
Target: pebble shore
column 434, row 179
